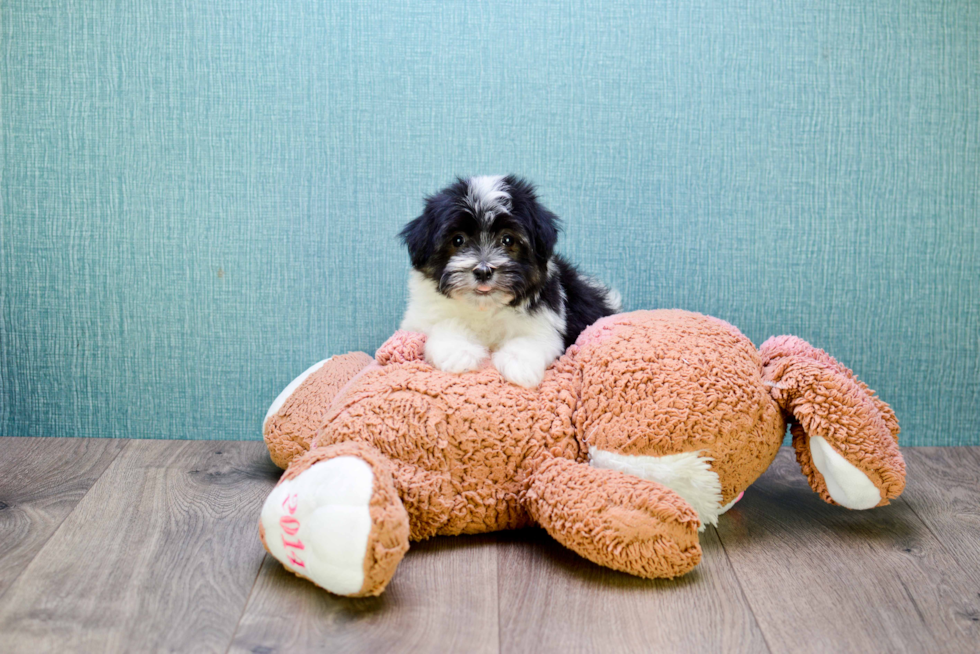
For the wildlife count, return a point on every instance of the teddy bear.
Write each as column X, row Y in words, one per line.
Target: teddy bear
column 646, row 430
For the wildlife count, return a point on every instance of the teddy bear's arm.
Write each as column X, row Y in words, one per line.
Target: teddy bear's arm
column 293, row 420
column 401, row 347
column 846, row 439
column 614, row 519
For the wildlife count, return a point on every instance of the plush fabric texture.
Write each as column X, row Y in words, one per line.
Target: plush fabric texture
column 616, row 520
column 827, row 400
column 290, row 431
column 388, row 540
column 472, row 453
column 695, row 384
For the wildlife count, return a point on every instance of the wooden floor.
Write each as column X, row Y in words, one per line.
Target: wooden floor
column 129, row 546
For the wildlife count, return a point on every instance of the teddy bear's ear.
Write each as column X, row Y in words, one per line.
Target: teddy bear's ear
column 846, row 438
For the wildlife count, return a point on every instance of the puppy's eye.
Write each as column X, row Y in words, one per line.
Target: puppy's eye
column 507, row 240
column 458, row 240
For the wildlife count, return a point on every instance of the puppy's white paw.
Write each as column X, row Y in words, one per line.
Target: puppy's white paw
column 318, row 523
column 455, row 354
column 519, row 367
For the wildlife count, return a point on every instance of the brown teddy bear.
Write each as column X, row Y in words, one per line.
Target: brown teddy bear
column 649, row 427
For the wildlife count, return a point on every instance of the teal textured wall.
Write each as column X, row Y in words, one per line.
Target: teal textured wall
column 200, row 197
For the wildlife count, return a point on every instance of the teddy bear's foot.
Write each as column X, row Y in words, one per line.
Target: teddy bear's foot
column 336, row 520
column 845, row 437
column 847, row 485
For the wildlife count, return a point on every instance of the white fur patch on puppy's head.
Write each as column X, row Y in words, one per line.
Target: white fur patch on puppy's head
column 488, row 196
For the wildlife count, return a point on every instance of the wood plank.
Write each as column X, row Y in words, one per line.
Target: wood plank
column 944, row 491
column 41, row 481
column 821, row 578
column 443, row 599
column 552, row 600
column 159, row 555
column 163, row 551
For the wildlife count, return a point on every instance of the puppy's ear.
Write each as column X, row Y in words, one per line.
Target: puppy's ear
column 542, row 225
column 547, row 225
column 417, row 236
column 421, row 234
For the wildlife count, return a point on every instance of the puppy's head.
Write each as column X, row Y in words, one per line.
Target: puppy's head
column 484, row 240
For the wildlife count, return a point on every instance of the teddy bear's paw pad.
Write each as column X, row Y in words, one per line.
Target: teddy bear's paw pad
column 318, row 523
column 688, row 474
column 728, row 506
column 847, row 485
column 290, row 389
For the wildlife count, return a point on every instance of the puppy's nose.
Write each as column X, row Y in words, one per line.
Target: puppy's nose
column 483, row 272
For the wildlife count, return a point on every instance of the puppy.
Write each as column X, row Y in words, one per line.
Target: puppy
column 485, row 278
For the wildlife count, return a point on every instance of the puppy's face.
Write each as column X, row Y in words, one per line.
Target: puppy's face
column 484, row 240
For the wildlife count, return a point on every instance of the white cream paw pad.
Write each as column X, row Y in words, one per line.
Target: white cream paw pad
column 847, row 485
column 318, row 524
column 687, row 473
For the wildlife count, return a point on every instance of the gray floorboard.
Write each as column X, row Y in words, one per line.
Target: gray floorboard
column 443, row 599
column 160, row 554
column 820, row 578
column 944, row 491
column 135, row 546
column 41, row 481
column 551, row 600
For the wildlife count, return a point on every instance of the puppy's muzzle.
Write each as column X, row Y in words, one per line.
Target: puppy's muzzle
column 483, row 273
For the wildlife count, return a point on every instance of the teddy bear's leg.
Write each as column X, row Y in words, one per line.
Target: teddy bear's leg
column 296, row 414
column 429, row 497
column 846, row 439
column 335, row 519
column 614, row 519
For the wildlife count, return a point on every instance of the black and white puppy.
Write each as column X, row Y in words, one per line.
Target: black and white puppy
column 485, row 279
